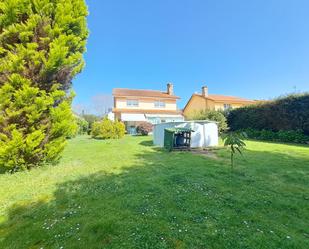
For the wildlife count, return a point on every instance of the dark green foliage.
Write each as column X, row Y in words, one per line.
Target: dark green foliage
column 107, row 129
column 41, row 47
column 290, row 113
column 280, row 136
column 210, row 115
column 144, row 128
column 235, row 142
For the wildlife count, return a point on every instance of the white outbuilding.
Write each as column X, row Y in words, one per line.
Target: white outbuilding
column 204, row 133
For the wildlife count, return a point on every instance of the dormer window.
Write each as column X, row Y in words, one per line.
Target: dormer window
column 132, row 103
column 159, row 104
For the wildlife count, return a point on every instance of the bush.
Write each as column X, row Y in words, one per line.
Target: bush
column 210, row 115
column 90, row 118
column 107, row 129
column 144, row 128
column 280, row 136
column 41, row 48
column 120, row 129
column 289, row 113
column 82, row 125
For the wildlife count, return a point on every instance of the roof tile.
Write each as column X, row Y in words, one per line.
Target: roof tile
column 142, row 93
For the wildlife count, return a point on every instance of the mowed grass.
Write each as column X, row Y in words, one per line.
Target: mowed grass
column 128, row 194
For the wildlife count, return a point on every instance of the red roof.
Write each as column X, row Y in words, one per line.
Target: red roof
column 216, row 97
column 123, row 92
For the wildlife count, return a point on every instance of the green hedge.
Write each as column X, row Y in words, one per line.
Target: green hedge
column 289, row 113
column 280, row 136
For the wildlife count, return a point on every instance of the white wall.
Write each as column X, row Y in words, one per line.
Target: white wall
column 205, row 133
column 146, row 104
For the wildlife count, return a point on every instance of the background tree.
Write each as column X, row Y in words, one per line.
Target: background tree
column 41, row 48
column 210, row 115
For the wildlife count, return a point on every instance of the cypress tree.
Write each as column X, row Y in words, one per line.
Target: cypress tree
column 41, row 49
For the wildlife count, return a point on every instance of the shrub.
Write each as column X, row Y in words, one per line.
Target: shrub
column 107, row 129
column 120, row 129
column 280, row 136
column 144, row 128
column 235, row 142
column 90, row 118
column 82, row 125
column 210, row 115
column 290, row 113
column 41, row 47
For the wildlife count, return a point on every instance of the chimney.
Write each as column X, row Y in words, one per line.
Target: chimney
column 170, row 89
column 205, row 91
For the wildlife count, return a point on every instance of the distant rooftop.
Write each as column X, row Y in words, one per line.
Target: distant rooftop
column 120, row 92
column 216, row 97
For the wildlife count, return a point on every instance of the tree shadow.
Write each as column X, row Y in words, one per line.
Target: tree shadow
column 148, row 143
column 167, row 200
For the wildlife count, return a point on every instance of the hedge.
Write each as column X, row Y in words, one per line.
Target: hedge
column 280, row 136
column 290, row 113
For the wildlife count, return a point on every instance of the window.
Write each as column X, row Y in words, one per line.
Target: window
column 227, row 107
column 159, row 104
column 132, row 103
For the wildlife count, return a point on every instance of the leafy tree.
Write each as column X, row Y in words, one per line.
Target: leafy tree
column 210, row 115
column 41, row 48
column 235, row 142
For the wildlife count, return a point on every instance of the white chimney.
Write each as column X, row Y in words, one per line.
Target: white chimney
column 205, row 91
column 170, row 89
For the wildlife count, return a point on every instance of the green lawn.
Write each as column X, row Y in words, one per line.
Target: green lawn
column 127, row 194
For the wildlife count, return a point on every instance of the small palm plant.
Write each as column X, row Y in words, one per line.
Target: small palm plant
column 235, row 142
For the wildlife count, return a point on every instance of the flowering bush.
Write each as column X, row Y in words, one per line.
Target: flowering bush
column 144, row 128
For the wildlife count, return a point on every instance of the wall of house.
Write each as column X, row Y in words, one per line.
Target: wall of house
column 198, row 103
column 146, row 104
column 220, row 106
column 195, row 104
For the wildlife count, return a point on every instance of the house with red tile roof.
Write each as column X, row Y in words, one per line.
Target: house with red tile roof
column 204, row 100
column 133, row 106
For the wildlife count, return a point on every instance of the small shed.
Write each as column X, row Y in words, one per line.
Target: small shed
column 205, row 132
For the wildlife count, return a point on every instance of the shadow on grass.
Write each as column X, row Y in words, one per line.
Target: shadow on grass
column 170, row 200
column 148, row 143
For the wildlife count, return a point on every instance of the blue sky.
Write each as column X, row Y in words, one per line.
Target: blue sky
column 254, row 49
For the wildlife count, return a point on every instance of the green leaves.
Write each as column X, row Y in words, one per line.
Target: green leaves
column 41, row 48
column 107, row 129
column 210, row 115
column 235, row 142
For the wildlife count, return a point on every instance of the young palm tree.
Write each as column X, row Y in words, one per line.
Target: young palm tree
column 235, row 142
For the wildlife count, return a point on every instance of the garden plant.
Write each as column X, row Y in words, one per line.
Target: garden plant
column 41, row 50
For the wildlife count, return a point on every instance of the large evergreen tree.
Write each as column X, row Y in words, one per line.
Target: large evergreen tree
column 41, row 49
